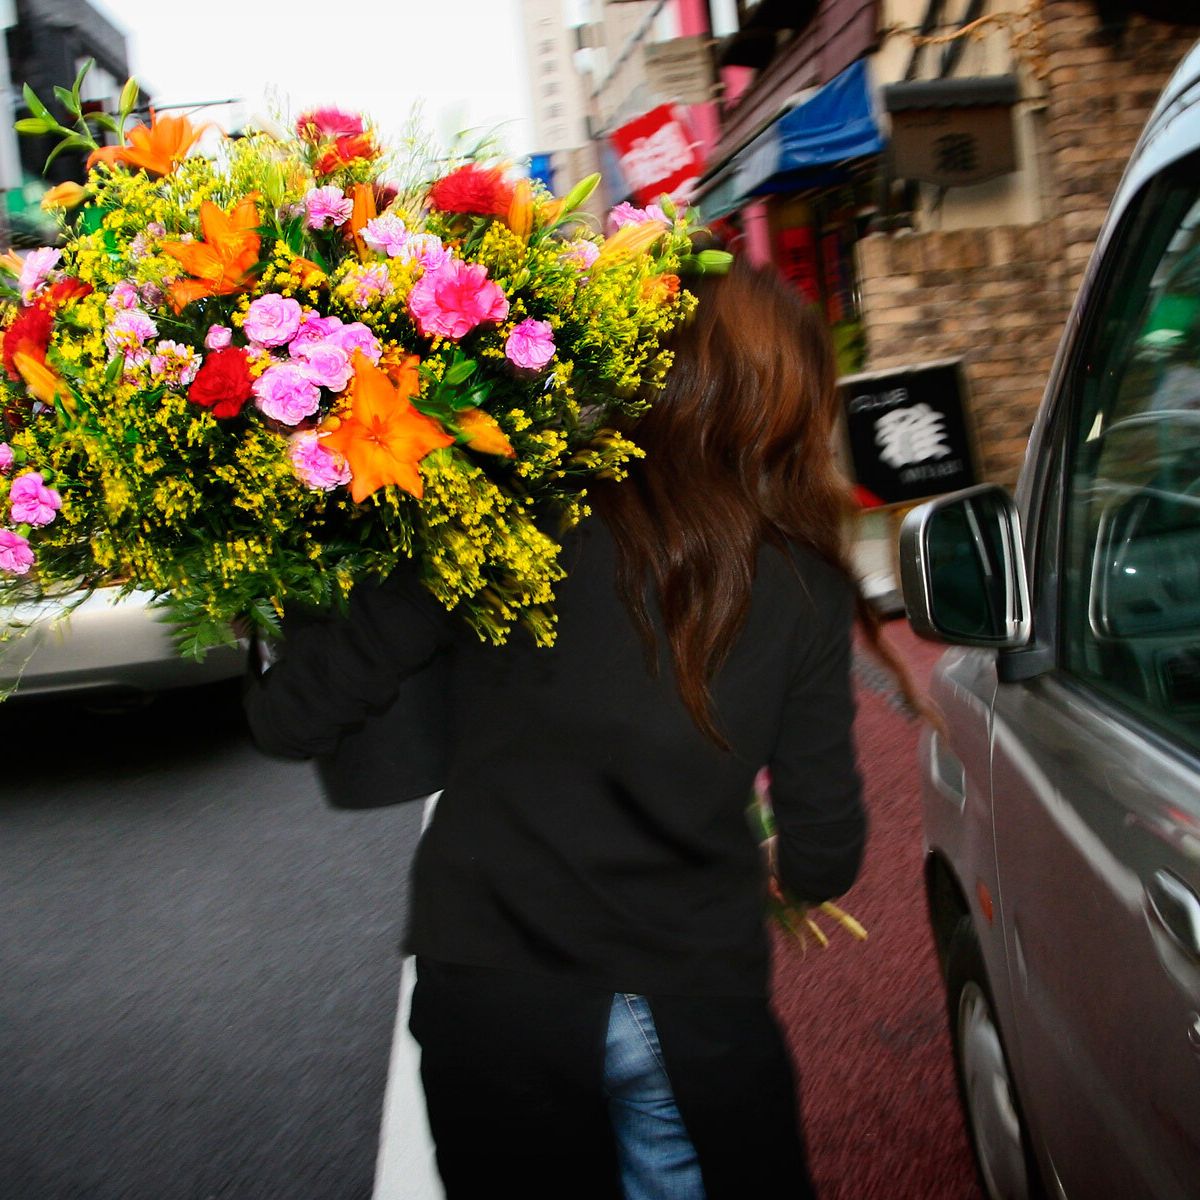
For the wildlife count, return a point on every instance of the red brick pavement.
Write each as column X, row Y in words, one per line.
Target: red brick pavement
column 867, row 1021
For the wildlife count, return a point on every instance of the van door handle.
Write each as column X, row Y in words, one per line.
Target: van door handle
column 1177, row 908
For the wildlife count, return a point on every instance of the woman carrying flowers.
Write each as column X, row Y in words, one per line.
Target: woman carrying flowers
column 588, row 902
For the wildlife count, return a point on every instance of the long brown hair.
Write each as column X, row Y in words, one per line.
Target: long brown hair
column 738, row 452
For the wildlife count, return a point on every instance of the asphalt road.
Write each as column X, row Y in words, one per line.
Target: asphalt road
column 198, row 963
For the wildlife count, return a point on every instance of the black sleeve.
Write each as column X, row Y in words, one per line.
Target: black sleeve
column 816, row 792
column 338, row 671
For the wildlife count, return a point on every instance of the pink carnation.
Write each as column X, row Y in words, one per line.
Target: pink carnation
column 386, row 234
column 370, row 284
column 427, row 250
column 123, row 295
column 35, row 270
column 127, row 330
column 356, row 336
column 323, row 123
column 313, row 329
column 6, row 457
column 327, row 364
column 628, row 214
column 327, row 206
column 582, row 254
column 218, row 337
column 530, row 345
column 272, row 320
column 174, row 363
column 319, row 468
column 15, row 555
column 286, row 393
column 33, row 503
column 453, row 299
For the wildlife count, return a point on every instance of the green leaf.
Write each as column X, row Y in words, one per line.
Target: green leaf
column 33, row 126
column 113, row 372
column 80, row 75
column 67, row 99
column 90, row 219
column 74, row 142
column 103, row 120
column 37, row 107
column 460, row 372
column 129, row 97
column 472, row 399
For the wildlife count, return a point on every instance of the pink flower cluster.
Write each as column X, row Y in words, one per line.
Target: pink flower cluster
column 320, row 355
column 454, row 298
column 318, row 467
column 35, row 271
column 530, row 345
column 174, row 364
column 581, row 255
column 327, row 207
column 389, row 235
column 127, row 332
column 30, row 502
column 628, row 214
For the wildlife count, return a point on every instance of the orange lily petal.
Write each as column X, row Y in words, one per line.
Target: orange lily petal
column 483, row 433
column 39, row 378
column 364, row 210
column 384, row 438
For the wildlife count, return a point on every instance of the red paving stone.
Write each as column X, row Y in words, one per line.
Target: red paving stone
column 867, row 1021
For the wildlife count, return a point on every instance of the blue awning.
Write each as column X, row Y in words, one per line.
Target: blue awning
column 833, row 126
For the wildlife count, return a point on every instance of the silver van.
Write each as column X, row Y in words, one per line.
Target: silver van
column 1062, row 790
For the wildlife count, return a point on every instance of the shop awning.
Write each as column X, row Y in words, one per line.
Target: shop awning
column 803, row 147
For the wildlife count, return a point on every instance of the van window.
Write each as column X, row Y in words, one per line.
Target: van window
column 1130, row 614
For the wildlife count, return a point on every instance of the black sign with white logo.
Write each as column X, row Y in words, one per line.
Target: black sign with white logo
column 907, row 433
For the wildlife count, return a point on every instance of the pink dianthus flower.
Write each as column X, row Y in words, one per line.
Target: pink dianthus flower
column 327, row 364
column 6, row 457
column 629, row 214
column 123, row 295
column 356, row 336
column 35, row 270
column 427, row 250
column 386, row 234
column 321, row 123
column 530, row 345
column 218, row 337
column 313, row 329
column 581, row 254
column 327, row 206
column 32, row 502
column 272, row 320
column 286, row 393
column 127, row 330
column 370, row 284
column 453, row 299
column 317, row 466
column 174, row 363
column 15, row 555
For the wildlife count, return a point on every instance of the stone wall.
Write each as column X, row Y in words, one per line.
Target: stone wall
column 998, row 297
column 991, row 297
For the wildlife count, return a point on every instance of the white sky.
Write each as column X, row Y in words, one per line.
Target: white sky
column 462, row 60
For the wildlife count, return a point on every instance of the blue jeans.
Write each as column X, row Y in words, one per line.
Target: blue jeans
column 656, row 1155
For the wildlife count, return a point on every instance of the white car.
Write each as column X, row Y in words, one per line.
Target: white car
column 107, row 643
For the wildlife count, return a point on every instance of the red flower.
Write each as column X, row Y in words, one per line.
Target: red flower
column 346, row 149
column 321, row 123
column 472, row 189
column 223, row 382
column 29, row 333
column 30, row 330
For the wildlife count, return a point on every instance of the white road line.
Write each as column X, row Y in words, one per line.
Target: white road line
column 405, row 1168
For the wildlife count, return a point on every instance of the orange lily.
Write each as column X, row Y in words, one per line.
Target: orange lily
column 364, row 210
column 483, row 434
column 384, row 437
column 221, row 263
column 520, row 209
column 156, row 149
column 629, row 241
column 43, row 382
column 64, row 195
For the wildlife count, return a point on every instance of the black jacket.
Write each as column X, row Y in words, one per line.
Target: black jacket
column 587, row 828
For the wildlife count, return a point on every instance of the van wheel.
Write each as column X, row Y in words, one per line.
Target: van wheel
column 999, row 1138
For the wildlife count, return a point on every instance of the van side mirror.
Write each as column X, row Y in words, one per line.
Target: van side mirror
column 962, row 567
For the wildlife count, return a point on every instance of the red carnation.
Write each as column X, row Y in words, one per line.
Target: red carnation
column 320, row 123
column 223, row 382
column 471, row 189
column 29, row 333
column 344, row 151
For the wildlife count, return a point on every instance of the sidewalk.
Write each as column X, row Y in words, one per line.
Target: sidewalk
column 867, row 1021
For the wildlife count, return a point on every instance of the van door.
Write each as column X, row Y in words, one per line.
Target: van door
column 1096, row 764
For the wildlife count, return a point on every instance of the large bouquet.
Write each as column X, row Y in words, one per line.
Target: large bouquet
column 255, row 376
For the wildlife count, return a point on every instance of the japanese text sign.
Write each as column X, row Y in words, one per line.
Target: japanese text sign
column 907, row 433
column 657, row 154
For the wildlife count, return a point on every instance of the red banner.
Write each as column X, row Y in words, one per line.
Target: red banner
column 658, row 153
